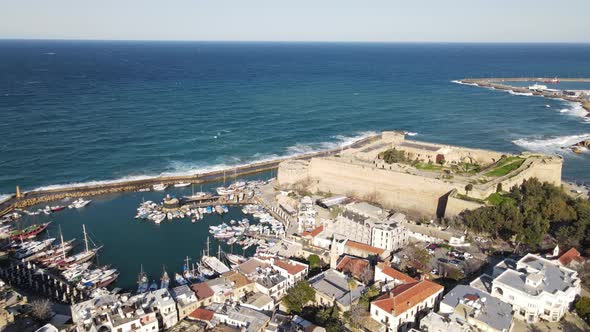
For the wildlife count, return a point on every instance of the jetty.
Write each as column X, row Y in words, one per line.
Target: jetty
column 26, row 199
column 503, row 83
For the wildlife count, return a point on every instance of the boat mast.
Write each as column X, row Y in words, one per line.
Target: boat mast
column 85, row 238
column 208, row 246
column 188, row 267
column 219, row 252
column 63, row 250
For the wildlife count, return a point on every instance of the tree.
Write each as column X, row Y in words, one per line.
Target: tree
column 314, row 261
column 468, row 188
column 298, row 296
column 499, row 187
column 41, row 309
column 583, row 308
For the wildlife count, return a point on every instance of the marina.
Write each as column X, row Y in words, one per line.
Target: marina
column 151, row 248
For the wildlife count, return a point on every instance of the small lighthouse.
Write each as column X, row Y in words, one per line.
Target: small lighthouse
column 18, row 193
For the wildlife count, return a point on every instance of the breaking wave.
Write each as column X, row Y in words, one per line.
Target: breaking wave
column 520, row 93
column 576, row 109
column 4, row 197
column 463, row 83
column 182, row 168
column 551, row 144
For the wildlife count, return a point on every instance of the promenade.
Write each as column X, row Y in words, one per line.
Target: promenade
column 40, row 196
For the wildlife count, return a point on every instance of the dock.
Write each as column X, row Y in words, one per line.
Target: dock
column 31, row 198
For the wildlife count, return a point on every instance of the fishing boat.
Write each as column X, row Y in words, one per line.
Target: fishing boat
column 79, row 203
column 142, row 282
column 219, row 209
column 179, row 279
column 75, row 271
column 205, row 272
column 214, row 263
column 28, row 232
column 186, row 271
column 57, row 208
column 107, row 280
column 182, row 184
column 153, row 286
column 160, row 187
column 164, row 280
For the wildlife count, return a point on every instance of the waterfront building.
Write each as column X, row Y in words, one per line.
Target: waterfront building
column 468, row 306
column 114, row 313
column 292, row 270
column 537, row 288
column 186, row 300
column 401, row 308
column 203, row 293
column 161, row 302
column 332, row 288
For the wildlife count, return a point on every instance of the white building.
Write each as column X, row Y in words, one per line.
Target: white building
column 114, row 313
column 290, row 269
column 165, row 307
column 307, row 215
column 401, row 308
column 537, row 288
column 365, row 223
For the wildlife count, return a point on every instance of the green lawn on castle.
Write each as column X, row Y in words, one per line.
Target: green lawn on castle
column 505, row 166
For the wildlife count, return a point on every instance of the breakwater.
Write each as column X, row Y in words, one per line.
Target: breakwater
column 503, row 84
column 41, row 196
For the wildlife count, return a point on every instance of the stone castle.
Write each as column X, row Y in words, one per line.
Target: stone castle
column 428, row 184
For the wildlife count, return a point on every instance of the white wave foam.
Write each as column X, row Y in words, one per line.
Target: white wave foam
column 576, row 109
column 463, row 83
column 410, row 133
column 551, row 144
column 520, row 93
column 4, row 197
column 183, row 169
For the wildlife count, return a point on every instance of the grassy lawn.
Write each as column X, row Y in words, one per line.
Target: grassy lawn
column 505, row 166
column 498, row 198
column 428, row 167
column 470, row 199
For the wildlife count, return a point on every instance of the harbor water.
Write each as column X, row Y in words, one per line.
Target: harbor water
column 130, row 243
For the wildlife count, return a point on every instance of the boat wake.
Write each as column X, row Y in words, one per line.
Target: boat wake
column 177, row 168
column 552, row 145
column 411, row 133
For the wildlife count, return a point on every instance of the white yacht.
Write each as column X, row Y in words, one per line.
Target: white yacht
column 160, row 187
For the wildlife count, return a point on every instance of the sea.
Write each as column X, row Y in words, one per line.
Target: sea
column 83, row 112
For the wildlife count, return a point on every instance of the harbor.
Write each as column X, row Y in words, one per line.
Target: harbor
column 130, row 244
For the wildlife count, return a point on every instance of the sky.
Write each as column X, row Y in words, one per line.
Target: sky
column 299, row 20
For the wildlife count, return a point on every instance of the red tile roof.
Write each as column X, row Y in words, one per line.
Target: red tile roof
column 406, row 296
column 291, row 267
column 569, row 256
column 395, row 274
column 202, row 290
column 354, row 266
column 314, row 232
column 364, row 247
column 202, row 314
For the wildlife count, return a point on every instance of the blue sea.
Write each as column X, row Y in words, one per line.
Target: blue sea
column 81, row 111
column 84, row 112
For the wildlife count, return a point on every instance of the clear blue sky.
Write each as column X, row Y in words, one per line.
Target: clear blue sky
column 300, row 20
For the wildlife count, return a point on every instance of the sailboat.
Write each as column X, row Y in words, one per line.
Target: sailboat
column 80, row 257
column 142, row 281
column 187, row 273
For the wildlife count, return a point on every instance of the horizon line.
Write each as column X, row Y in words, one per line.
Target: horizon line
column 293, row 41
